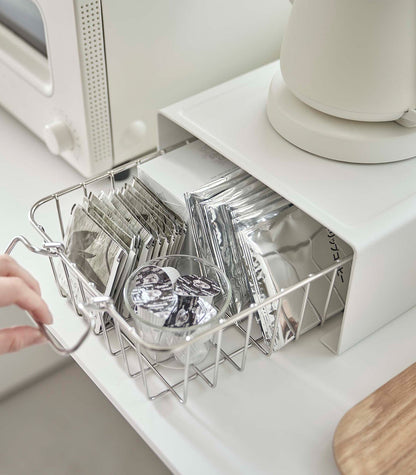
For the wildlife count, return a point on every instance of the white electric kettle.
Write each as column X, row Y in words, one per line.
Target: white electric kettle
column 347, row 85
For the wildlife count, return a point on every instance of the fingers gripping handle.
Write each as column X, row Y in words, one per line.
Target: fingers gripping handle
column 51, row 250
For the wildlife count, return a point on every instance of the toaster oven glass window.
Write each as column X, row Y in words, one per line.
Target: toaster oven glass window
column 24, row 19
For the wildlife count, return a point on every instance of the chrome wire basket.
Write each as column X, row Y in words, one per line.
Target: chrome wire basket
column 231, row 340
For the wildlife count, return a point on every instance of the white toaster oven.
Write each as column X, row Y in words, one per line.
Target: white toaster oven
column 87, row 76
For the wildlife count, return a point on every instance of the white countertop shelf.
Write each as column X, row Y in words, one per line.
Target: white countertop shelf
column 279, row 416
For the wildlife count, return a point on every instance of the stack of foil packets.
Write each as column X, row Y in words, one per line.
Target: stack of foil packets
column 111, row 234
column 265, row 244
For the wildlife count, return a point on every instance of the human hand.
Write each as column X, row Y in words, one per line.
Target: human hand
column 18, row 287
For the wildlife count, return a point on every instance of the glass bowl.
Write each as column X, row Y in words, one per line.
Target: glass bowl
column 163, row 327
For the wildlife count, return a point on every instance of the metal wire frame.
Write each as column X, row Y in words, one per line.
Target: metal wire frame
column 93, row 305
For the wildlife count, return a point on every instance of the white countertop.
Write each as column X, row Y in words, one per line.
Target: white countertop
column 278, row 416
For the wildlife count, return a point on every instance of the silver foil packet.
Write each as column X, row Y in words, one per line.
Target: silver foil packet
column 95, row 253
column 152, row 198
column 282, row 251
column 99, row 212
column 216, row 212
column 213, row 212
column 193, row 200
column 213, row 240
column 147, row 239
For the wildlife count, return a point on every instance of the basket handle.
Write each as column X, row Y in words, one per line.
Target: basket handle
column 51, row 250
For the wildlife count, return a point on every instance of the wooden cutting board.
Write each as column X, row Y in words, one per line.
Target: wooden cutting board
column 378, row 435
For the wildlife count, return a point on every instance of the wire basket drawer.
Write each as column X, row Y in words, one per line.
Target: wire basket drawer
column 231, row 341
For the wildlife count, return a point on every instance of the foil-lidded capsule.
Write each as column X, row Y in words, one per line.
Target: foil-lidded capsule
column 192, row 306
column 198, row 313
column 153, row 296
column 193, row 285
column 154, row 275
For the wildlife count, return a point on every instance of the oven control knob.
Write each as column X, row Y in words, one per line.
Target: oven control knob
column 58, row 137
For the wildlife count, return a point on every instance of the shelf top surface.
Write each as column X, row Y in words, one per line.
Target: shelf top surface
column 354, row 200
